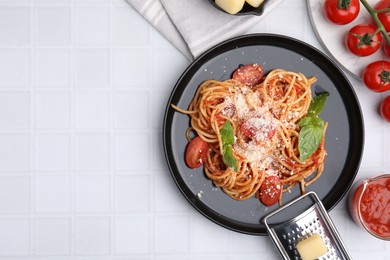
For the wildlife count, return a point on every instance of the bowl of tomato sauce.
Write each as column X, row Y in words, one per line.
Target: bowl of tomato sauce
column 369, row 205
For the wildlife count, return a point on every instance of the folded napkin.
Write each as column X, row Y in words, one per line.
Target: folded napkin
column 193, row 26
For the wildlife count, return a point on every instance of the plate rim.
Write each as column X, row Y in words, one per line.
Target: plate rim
column 217, row 50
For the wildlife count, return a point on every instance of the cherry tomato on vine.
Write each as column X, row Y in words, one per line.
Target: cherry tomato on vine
column 376, row 76
column 270, row 190
column 385, row 108
column 341, row 11
column 196, row 152
column 384, row 17
column 386, row 48
column 249, row 74
column 363, row 40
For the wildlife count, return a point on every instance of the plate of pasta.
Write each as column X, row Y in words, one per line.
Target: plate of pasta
column 257, row 121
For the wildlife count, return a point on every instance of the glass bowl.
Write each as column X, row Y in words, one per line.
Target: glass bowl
column 367, row 205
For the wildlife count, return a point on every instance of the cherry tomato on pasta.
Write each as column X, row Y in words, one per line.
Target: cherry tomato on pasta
column 363, row 40
column 341, row 11
column 257, row 128
column 270, row 190
column 376, row 76
column 384, row 17
column 385, row 111
column 196, row 152
column 250, row 74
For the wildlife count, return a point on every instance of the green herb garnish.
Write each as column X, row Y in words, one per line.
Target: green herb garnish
column 312, row 127
column 227, row 136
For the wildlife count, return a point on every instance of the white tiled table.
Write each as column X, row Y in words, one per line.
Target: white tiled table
column 83, row 88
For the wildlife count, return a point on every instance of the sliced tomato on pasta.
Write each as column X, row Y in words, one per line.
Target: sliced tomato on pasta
column 250, row 74
column 196, row 152
column 270, row 190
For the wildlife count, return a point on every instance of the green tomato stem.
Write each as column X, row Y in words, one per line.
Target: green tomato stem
column 374, row 15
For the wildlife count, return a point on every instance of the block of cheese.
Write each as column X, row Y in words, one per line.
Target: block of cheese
column 230, row 6
column 255, row 3
column 311, row 247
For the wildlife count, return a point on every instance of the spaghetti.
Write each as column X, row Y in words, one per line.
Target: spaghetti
column 265, row 120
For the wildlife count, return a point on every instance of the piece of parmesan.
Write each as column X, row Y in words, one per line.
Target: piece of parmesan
column 230, row 6
column 312, row 247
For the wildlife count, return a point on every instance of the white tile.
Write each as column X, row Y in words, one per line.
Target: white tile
column 52, row 1
column 274, row 22
column 52, row 67
column 133, row 199
column 159, row 105
column 132, row 235
column 131, row 67
column 371, row 113
column 91, row 110
column 92, row 236
column 92, row 152
column 163, row 76
column 92, row 193
column 165, row 190
column 125, row 103
column 52, row 110
column 92, row 2
column 52, row 25
column 52, row 152
column 52, row 236
column 14, row 25
column 373, row 159
column 131, row 151
column 168, row 240
column 243, row 243
column 14, row 110
column 158, row 161
column 14, row 152
column 14, row 237
column 128, row 24
column 14, row 1
column 14, row 194
column 92, row 25
column 215, row 241
column 15, row 67
column 52, row 194
column 92, row 67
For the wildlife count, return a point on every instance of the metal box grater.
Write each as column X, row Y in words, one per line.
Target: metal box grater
column 314, row 219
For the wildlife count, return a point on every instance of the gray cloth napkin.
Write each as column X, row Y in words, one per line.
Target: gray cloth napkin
column 193, row 26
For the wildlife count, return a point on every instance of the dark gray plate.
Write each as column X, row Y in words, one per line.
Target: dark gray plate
column 344, row 137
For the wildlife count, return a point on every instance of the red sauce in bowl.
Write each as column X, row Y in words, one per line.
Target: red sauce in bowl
column 370, row 206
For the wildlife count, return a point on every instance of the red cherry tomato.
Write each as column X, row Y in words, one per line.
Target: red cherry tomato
column 385, row 112
column 250, row 74
column 270, row 190
column 386, row 48
column 341, row 11
column 384, row 17
column 362, row 40
column 196, row 152
column 248, row 129
column 257, row 128
column 376, row 76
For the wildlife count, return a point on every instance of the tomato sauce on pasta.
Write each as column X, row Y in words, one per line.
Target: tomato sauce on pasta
column 264, row 116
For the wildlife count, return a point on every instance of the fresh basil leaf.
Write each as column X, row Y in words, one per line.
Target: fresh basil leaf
column 229, row 158
column 227, row 134
column 305, row 121
column 310, row 138
column 317, row 104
